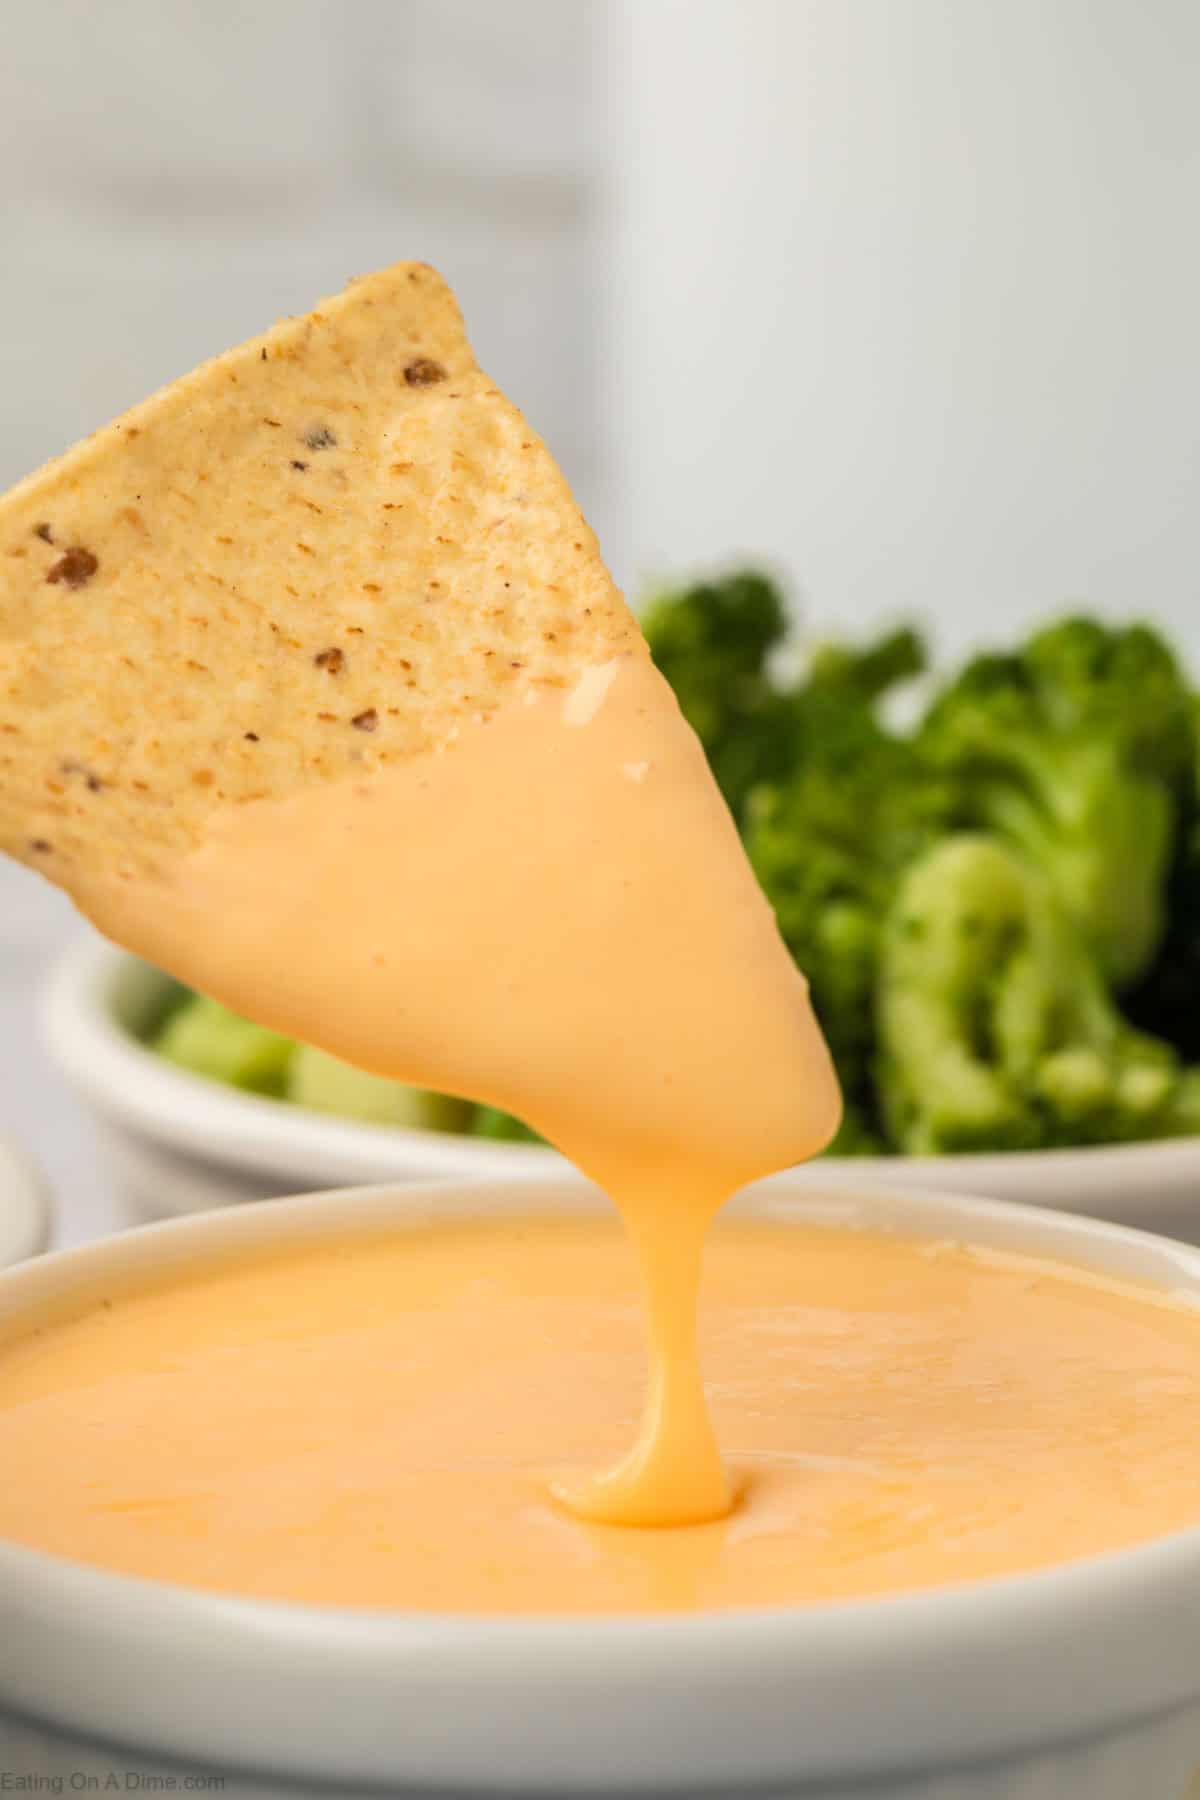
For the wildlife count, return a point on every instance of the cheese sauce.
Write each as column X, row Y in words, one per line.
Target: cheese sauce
column 375, row 1421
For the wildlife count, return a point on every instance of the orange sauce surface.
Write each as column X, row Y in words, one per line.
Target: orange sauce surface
column 377, row 1421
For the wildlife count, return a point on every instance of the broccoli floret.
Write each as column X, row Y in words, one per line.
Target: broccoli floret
column 491, row 1122
column 996, row 1030
column 1182, row 1117
column 1122, row 680
column 828, row 846
column 713, row 642
column 205, row 1037
column 866, row 673
column 1076, row 749
column 1167, row 1001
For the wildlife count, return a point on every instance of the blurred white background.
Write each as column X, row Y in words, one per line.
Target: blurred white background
column 909, row 291
column 900, row 295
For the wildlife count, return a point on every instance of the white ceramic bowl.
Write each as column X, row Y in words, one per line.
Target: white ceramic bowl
column 1080, row 1683
column 24, row 1208
column 181, row 1143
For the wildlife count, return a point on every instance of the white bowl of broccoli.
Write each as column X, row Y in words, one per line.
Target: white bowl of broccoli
column 221, row 1118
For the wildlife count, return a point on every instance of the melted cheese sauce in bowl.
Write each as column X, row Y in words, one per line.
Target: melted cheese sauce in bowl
column 385, row 1422
column 309, row 1461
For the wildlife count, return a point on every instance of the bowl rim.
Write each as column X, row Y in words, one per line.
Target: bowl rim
column 1014, row 1662
column 24, row 1205
column 176, row 1109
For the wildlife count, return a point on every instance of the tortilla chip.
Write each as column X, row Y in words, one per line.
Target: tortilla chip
column 319, row 554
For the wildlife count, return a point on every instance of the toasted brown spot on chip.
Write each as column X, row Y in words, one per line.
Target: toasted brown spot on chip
column 40, row 846
column 251, row 737
column 423, row 371
column 202, row 777
column 299, row 465
column 44, row 532
column 319, row 437
column 331, row 660
column 74, row 568
column 70, row 767
column 365, row 721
